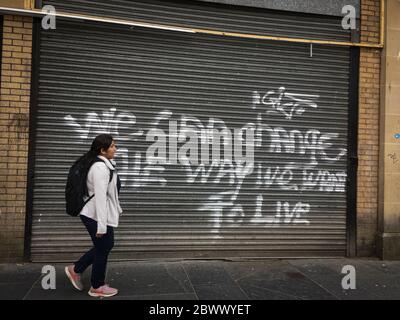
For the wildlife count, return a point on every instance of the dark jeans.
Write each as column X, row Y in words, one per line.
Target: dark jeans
column 98, row 255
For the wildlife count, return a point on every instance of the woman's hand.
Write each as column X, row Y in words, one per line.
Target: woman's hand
column 99, row 235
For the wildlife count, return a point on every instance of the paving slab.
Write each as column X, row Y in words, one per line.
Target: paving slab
column 19, row 273
column 220, row 292
column 207, row 273
column 147, row 278
column 257, row 293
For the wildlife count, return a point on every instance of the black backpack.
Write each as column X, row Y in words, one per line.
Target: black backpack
column 76, row 188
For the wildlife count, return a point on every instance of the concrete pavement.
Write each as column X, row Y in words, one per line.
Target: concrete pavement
column 311, row 279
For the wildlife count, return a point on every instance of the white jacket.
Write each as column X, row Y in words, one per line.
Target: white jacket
column 104, row 207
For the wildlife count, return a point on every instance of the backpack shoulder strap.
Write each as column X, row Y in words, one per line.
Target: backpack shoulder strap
column 111, row 171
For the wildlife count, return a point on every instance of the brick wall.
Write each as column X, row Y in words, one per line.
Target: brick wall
column 14, row 131
column 368, row 137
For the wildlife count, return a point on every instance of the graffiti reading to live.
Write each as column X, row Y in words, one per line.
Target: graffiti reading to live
column 212, row 154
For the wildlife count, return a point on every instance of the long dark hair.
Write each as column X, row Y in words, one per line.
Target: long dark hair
column 102, row 141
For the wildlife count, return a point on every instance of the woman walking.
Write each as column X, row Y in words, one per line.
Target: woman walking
column 100, row 215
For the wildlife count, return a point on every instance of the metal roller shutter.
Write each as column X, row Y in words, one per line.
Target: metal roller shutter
column 94, row 78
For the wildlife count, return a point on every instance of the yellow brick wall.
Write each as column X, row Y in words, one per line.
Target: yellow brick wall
column 19, row 4
column 14, row 133
column 368, row 133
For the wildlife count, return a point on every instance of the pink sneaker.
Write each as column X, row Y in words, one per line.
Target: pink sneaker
column 74, row 277
column 103, row 291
